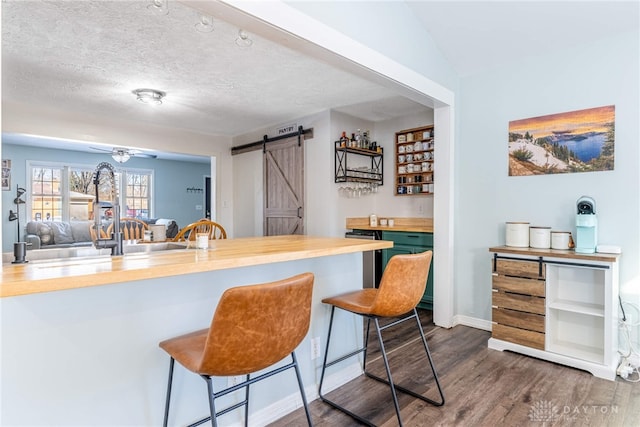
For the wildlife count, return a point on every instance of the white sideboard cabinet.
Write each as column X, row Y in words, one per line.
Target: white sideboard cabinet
column 558, row 306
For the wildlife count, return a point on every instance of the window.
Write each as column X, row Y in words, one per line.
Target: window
column 137, row 194
column 62, row 192
column 46, row 193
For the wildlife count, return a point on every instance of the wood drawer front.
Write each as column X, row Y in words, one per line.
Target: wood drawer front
column 518, row 336
column 510, row 267
column 409, row 238
column 518, row 319
column 525, row 303
column 519, row 285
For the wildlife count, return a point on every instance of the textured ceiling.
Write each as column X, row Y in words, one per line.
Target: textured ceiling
column 89, row 55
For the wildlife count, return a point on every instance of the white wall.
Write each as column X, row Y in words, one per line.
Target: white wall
column 593, row 75
column 389, row 27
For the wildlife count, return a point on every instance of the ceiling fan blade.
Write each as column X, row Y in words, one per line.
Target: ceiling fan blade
column 131, row 152
column 104, row 150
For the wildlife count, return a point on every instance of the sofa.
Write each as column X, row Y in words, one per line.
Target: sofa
column 71, row 234
column 58, row 234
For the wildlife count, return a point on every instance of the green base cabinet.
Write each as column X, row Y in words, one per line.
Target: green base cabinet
column 411, row 243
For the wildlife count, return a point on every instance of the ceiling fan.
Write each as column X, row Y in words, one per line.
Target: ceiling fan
column 121, row 154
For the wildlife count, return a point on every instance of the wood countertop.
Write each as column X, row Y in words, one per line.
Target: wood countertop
column 419, row 225
column 72, row 273
column 555, row 253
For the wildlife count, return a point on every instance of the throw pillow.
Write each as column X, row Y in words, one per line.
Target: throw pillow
column 62, row 232
column 81, row 231
column 45, row 233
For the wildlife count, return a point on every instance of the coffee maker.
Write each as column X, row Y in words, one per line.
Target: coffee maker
column 586, row 226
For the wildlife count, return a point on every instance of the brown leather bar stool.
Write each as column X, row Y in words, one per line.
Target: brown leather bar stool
column 253, row 328
column 401, row 287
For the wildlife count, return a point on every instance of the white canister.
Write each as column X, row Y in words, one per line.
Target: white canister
column 540, row 237
column 560, row 240
column 373, row 220
column 159, row 232
column 517, row 234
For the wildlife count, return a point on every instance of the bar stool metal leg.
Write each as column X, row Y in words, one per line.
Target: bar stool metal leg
column 168, row 398
column 212, row 402
column 301, row 386
column 389, row 380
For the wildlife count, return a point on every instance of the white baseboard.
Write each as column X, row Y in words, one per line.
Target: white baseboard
column 472, row 322
column 293, row 402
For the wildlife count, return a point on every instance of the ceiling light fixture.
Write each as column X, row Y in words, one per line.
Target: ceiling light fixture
column 149, row 96
column 159, row 7
column 243, row 39
column 205, row 24
column 120, row 155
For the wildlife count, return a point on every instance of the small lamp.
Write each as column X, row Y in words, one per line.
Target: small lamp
column 15, row 216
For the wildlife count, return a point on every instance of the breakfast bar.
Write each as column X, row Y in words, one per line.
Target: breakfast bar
column 80, row 335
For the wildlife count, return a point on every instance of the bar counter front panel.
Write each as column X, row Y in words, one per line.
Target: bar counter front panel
column 90, row 355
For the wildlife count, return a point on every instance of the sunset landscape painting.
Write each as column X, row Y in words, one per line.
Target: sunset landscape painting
column 576, row 141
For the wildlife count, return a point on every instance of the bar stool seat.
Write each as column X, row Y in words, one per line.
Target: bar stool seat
column 402, row 285
column 253, row 328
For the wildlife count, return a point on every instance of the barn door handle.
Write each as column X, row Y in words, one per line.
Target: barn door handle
column 299, row 209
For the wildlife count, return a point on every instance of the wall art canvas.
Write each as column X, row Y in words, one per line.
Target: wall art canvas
column 576, row 141
column 6, row 174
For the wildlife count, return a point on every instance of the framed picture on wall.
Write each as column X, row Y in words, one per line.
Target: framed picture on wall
column 6, row 174
column 575, row 141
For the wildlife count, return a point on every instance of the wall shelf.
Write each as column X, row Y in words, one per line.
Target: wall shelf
column 348, row 169
column 414, row 160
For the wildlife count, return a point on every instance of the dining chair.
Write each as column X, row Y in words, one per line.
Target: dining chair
column 132, row 228
column 215, row 231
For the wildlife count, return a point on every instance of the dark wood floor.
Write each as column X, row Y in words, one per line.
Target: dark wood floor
column 482, row 387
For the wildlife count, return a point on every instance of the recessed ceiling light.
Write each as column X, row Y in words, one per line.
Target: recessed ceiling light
column 149, row 96
column 204, row 24
column 159, row 7
column 243, row 39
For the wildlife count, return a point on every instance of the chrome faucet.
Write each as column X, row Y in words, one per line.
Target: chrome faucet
column 114, row 242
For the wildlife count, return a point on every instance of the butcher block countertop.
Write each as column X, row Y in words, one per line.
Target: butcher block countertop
column 420, row 225
column 72, row 273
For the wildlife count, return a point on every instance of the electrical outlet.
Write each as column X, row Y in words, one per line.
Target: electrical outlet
column 231, row 381
column 634, row 361
column 315, row 348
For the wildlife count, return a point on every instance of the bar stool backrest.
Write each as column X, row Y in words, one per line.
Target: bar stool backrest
column 256, row 326
column 402, row 285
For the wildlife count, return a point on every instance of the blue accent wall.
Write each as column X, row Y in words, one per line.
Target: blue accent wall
column 172, row 179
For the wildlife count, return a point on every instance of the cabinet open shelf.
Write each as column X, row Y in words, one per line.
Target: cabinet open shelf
column 577, row 307
column 578, row 351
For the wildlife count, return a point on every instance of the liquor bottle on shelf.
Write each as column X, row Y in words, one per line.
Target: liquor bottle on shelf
column 353, row 141
column 344, row 140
